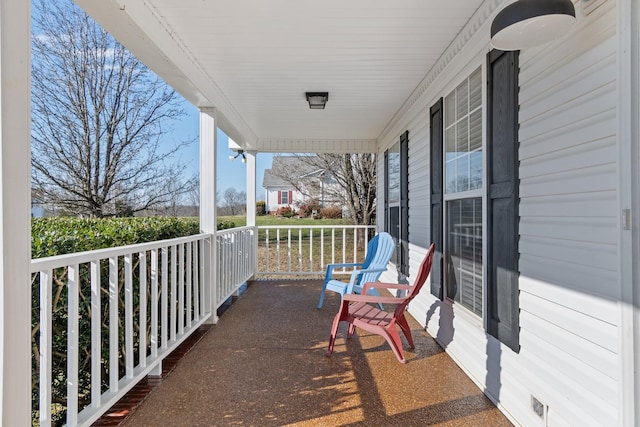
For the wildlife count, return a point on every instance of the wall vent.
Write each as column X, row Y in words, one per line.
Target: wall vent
column 537, row 407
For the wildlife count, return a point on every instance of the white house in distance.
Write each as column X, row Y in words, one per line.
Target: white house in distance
column 280, row 193
column 521, row 166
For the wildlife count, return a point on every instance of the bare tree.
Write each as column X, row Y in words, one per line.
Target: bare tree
column 234, row 201
column 346, row 179
column 98, row 115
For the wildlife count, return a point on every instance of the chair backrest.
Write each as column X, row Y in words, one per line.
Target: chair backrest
column 421, row 278
column 371, row 251
column 378, row 258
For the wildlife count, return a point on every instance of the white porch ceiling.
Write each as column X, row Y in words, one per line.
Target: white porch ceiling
column 253, row 60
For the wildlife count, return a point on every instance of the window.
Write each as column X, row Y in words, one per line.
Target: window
column 463, row 191
column 284, row 197
column 397, row 200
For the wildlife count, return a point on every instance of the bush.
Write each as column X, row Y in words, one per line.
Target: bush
column 64, row 235
column 307, row 207
column 331, row 212
column 261, row 208
column 286, row 211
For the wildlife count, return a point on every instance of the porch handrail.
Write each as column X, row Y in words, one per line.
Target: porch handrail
column 169, row 272
column 305, row 250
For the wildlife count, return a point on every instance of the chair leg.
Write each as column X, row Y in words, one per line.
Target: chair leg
column 324, row 288
column 406, row 330
column 395, row 342
column 334, row 332
column 351, row 330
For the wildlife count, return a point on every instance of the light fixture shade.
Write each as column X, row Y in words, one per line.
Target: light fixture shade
column 317, row 100
column 528, row 23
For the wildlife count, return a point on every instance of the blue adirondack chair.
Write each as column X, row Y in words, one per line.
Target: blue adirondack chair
column 379, row 253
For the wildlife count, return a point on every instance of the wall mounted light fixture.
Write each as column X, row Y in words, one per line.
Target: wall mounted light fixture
column 528, row 23
column 238, row 154
column 317, row 100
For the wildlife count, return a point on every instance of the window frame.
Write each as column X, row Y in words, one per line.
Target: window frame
column 479, row 193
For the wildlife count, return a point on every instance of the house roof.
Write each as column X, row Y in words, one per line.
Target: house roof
column 251, row 62
column 292, row 164
column 271, row 180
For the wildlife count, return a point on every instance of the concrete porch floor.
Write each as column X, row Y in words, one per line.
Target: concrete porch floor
column 264, row 364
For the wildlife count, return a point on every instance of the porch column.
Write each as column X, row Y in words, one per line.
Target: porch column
column 208, row 214
column 251, row 203
column 15, row 225
column 629, row 205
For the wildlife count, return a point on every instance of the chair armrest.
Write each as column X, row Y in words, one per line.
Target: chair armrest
column 372, row 299
column 330, row 267
column 381, row 285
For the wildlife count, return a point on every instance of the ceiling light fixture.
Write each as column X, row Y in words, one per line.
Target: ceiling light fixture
column 239, row 153
column 317, row 100
column 528, row 23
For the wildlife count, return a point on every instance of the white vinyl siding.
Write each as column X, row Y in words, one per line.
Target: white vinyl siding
column 569, row 218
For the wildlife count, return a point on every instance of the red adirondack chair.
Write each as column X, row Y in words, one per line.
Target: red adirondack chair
column 358, row 311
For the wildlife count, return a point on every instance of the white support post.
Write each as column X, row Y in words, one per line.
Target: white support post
column 251, row 206
column 208, row 214
column 628, row 179
column 15, row 194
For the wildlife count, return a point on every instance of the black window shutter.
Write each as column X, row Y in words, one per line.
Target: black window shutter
column 503, row 309
column 404, row 204
column 386, row 191
column 437, row 140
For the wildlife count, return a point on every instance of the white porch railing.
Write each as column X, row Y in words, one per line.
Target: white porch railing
column 306, row 250
column 236, row 260
column 152, row 297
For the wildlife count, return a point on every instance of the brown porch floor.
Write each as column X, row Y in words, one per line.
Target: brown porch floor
column 264, row 364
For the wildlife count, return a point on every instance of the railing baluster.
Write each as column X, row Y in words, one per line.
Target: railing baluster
column 355, row 245
column 300, row 249
column 142, row 319
column 344, row 245
column 267, row 247
column 196, row 280
column 73, row 300
column 46, row 350
column 289, row 250
column 174, row 289
column 181, row 289
column 113, row 324
column 128, row 314
column 154, row 303
column 188, row 270
column 164, row 299
column 333, row 246
column 278, row 250
column 310, row 250
column 322, row 263
column 96, row 336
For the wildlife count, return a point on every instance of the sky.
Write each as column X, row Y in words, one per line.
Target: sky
column 230, row 174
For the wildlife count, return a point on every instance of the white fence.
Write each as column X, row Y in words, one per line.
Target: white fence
column 152, row 296
column 306, row 250
column 236, row 260
column 105, row 319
